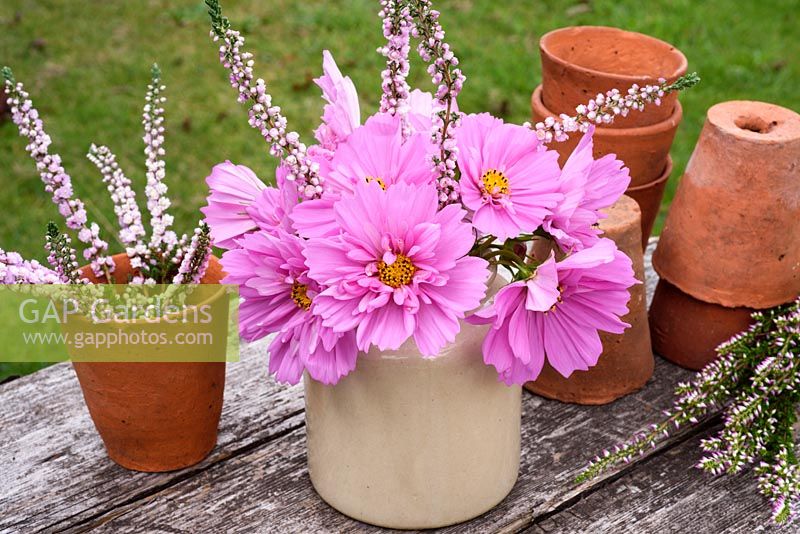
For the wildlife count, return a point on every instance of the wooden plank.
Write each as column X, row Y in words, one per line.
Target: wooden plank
column 54, row 469
column 668, row 494
column 256, row 478
column 268, row 489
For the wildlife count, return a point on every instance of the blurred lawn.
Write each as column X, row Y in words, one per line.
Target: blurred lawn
column 86, row 65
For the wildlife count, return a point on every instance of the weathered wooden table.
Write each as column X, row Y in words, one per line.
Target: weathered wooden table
column 54, row 474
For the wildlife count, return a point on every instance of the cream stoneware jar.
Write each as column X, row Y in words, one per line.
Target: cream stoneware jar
column 407, row 442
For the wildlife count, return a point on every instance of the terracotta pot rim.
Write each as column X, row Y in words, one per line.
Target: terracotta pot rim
column 662, row 178
column 633, row 78
column 217, row 294
column 732, row 119
column 637, row 131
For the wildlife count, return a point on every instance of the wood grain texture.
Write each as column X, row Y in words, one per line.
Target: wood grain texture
column 55, row 472
column 268, row 488
column 56, row 476
column 668, row 494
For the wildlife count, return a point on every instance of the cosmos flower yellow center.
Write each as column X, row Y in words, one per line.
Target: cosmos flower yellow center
column 399, row 273
column 300, row 296
column 495, row 182
column 376, row 179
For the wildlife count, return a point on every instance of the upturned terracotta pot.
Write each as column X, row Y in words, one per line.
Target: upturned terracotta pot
column 581, row 61
column 627, row 360
column 644, row 150
column 154, row 416
column 649, row 197
column 410, row 442
column 732, row 236
column 687, row 331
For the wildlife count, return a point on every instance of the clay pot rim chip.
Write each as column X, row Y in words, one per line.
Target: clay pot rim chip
column 637, row 131
column 664, row 176
column 633, row 78
column 747, row 118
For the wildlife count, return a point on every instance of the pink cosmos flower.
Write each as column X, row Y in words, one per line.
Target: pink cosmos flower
column 240, row 203
column 557, row 314
column 374, row 152
column 279, row 297
column 342, row 113
column 506, row 180
column 397, row 268
column 589, row 185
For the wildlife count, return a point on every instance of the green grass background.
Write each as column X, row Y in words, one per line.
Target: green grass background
column 86, row 65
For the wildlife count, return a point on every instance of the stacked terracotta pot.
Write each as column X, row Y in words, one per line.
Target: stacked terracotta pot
column 580, row 62
column 731, row 240
column 627, row 360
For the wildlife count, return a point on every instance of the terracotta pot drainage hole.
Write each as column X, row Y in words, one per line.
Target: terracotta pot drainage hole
column 755, row 124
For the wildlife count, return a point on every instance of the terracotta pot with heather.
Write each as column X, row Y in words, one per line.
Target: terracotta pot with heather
column 579, row 62
column 154, row 416
column 150, row 416
column 626, row 363
column 731, row 238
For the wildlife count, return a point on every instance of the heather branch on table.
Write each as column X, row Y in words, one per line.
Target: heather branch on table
column 756, row 381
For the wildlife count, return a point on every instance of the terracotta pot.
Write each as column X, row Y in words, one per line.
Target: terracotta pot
column 154, row 416
column 410, row 442
column 738, row 203
column 649, row 198
column 644, row 150
column 686, row 331
column 581, row 61
column 627, row 360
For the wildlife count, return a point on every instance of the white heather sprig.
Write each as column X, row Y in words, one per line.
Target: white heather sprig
column 444, row 71
column 127, row 211
column 397, row 25
column 263, row 115
column 61, row 256
column 56, row 180
column 756, row 379
column 604, row 108
column 162, row 238
column 195, row 260
column 16, row 270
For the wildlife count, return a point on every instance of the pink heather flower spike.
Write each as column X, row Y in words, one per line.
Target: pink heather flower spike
column 604, row 108
column 445, row 74
column 509, row 184
column 16, row 270
column 56, row 180
column 279, row 296
column 374, row 152
column 398, row 268
column 162, row 238
column 127, row 211
column 264, row 116
column 588, row 185
column 195, row 259
column 397, row 25
column 342, row 113
column 556, row 314
column 240, row 203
